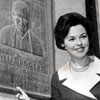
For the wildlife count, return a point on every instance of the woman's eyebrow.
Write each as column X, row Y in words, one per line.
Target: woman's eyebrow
column 83, row 33
column 69, row 37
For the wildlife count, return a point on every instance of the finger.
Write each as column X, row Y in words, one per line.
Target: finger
column 22, row 97
column 21, row 90
column 18, row 95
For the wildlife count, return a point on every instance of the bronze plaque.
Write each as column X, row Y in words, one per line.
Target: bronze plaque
column 27, row 64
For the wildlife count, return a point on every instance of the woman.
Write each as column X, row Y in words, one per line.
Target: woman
column 79, row 78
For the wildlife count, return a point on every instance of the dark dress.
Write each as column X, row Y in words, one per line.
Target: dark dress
column 61, row 92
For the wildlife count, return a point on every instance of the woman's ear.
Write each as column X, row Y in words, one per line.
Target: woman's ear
column 62, row 45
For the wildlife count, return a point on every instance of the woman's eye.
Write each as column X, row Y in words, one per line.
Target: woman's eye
column 71, row 39
column 84, row 36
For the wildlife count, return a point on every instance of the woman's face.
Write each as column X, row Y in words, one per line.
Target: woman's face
column 77, row 42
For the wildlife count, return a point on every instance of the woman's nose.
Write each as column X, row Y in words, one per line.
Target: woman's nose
column 78, row 42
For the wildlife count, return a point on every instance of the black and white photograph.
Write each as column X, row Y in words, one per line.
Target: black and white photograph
column 49, row 49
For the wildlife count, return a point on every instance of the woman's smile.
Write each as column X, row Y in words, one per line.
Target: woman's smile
column 80, row 49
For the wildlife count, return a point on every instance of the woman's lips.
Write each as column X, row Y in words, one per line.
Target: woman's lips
column 80, row 49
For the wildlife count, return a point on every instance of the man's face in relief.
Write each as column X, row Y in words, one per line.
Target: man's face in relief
column 21, row 20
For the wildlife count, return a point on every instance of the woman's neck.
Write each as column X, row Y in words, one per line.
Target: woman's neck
column 82, row 62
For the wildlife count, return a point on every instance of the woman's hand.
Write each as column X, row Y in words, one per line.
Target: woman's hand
column 22, row 95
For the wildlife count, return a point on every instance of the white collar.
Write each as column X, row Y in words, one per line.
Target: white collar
column 82, row 87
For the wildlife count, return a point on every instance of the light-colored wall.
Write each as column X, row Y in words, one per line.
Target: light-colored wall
column 62, row 7
column 4, row 96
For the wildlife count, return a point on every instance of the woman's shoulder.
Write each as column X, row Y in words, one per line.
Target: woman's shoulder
column 55, row 79
column 96, row 60
column 97, row 63
column 63, row 71
column 55, row 76
column 60, row 74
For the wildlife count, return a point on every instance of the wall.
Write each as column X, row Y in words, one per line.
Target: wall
column 62, row 7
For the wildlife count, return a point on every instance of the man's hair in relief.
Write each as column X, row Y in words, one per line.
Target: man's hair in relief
column 21, row 7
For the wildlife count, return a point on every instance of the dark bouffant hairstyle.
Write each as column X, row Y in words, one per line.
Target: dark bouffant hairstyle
column 65, row 22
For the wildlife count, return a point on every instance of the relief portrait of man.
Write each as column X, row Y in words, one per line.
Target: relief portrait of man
column 19, row 35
